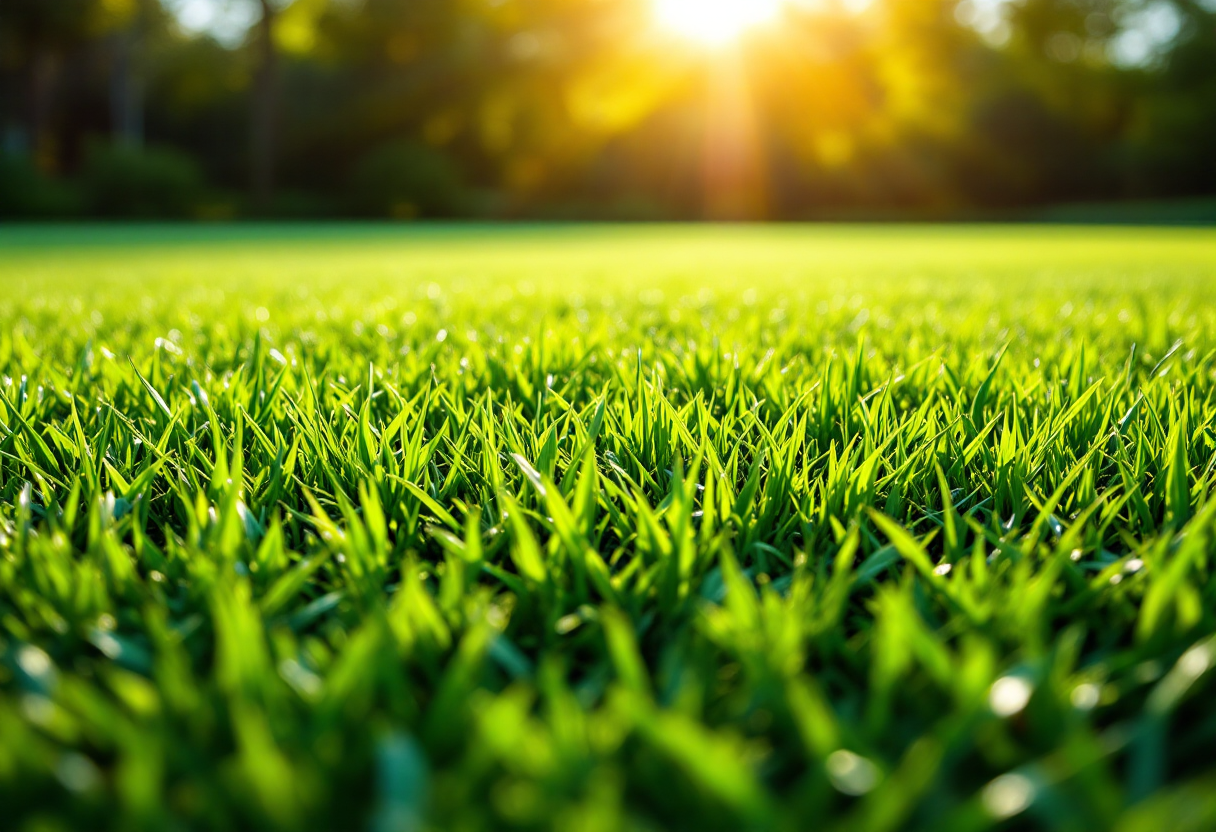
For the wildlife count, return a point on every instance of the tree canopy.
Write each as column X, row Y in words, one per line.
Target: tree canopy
column 588, row 108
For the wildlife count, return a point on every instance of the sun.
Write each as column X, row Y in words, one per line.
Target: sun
column 714, row 22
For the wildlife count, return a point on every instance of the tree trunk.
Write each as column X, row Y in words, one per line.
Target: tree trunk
column 44, row 76
column 264, row 116
column 126, row 95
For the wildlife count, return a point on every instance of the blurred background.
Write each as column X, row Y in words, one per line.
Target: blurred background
column 607, row 109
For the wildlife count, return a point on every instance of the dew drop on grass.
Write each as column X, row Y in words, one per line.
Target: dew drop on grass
column 107, row 644
column 1009, row 695
column 77, row 773
column 1008, row 795
column 567, row 623
column 1085, row 696
column 34, row 662
column 1195, row 662
column 851, row 773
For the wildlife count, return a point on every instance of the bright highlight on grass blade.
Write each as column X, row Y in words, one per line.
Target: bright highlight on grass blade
column 715, row 22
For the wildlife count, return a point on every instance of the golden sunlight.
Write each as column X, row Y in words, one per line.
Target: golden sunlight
column 714, row 22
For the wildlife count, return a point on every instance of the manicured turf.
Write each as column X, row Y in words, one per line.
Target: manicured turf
column 788, row 528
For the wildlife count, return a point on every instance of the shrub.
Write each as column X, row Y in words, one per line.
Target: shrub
column 406, row 180
column 146, row 183
column 27, row 193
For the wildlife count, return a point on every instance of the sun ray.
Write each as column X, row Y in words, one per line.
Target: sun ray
column 715, row 22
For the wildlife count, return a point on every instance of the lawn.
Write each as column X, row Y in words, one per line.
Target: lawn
column 595, row 528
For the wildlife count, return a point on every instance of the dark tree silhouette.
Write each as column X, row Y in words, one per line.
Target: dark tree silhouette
column 265, row 104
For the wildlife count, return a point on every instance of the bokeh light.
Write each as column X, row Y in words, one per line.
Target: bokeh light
column 715, row 22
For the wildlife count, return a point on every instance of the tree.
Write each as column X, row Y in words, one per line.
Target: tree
column 265, row 104
column 129, row 30
column 36, row 35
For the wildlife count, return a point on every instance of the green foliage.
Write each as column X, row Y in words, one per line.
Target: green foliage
column 26, row 193
column 554, row 528
column 408, row 180
column 579, row 109
column 142, row 183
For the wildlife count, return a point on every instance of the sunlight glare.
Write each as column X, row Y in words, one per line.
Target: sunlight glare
column 714, row 22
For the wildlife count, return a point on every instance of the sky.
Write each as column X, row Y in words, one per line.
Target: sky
column 225, row 20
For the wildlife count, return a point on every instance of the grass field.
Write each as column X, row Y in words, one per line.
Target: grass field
column 774, row 528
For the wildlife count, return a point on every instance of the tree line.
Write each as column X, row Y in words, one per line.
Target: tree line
column 582, row 108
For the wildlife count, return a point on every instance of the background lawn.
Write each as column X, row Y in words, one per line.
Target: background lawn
column 579, row 528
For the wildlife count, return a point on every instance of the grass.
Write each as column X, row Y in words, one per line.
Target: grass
column 843, row 528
